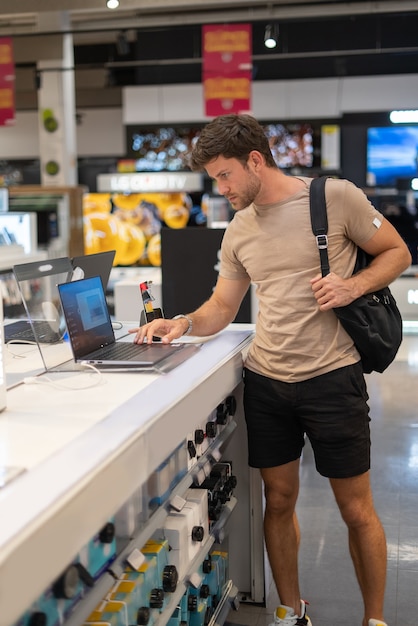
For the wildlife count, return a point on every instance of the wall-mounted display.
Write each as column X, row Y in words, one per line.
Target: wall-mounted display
column 392, row 153
column 291, row 144
column 157, row 149
column 160, row 148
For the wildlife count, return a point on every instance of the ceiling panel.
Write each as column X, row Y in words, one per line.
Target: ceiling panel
column 163, row 38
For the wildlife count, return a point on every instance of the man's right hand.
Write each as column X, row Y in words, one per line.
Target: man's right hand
column 167, row 329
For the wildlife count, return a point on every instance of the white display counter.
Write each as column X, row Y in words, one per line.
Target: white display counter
column 127, row 299
column 83, row 443
column 405, row 292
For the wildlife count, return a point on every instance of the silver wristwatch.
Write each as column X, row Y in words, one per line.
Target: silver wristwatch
column 189, row 321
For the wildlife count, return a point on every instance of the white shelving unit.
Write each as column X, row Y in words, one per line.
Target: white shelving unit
column 83, row 453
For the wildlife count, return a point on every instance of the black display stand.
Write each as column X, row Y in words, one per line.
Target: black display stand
column 189, row 262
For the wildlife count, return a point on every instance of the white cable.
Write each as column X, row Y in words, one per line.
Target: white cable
column 40, row 380
column 17, row 342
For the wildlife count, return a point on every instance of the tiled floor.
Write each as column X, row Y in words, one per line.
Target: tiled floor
column 326, row 573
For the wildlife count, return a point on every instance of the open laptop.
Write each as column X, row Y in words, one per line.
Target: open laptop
column 92, row 337
column 52, row 329
column 44, row 321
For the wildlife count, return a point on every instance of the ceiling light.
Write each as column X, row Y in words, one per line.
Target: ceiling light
column 112, row 4
column 270, row 36
column 404, row 117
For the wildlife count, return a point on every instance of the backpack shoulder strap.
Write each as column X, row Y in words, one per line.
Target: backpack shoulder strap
column 319, row 220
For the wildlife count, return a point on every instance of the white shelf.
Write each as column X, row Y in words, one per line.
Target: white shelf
column 98, row 446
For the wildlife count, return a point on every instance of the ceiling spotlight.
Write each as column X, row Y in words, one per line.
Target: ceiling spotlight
column 270, row 36
column 112, row 4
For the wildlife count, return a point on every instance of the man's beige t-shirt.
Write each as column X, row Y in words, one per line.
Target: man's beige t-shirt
column 275, row 247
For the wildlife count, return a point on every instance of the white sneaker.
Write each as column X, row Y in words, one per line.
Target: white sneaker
column 285, row 616
column 376, row 622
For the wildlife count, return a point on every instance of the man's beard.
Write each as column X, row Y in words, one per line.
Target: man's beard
column 247, row 197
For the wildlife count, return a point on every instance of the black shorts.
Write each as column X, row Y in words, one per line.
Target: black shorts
column 331, row 409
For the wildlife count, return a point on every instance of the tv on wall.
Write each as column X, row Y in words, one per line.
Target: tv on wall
column 166, row 148
column 291, row 144
column 392, row 153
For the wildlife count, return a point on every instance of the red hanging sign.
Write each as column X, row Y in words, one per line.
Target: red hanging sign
column 227, row 94
column 227, row 64
column 7, row 82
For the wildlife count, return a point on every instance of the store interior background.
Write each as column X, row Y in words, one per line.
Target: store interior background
column 338, row 63
column 364, row 53
column 139, row 68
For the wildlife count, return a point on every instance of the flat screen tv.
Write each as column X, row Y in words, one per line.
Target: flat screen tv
column 291, row 144
column 166, row 148
column 160, row 149
column 392, row 153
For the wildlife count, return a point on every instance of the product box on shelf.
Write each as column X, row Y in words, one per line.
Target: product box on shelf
column 167, row 572
column 220, row 560
column 136, row 598
column 166, row 477
column 175, row 619
column 146, row 596
column 176, row 532
column 114, row 613
column 199, row 616
column 185, row 530
column 200, row 498
column 159, row 483
column 132, row 515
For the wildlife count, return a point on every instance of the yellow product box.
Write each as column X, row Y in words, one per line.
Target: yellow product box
column 114, row 613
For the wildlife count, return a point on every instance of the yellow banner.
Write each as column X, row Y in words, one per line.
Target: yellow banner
column 6, row 98
column 6, row 56
column 227, row 41
column 220, row 88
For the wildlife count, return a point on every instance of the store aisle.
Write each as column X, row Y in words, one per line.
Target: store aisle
column 326, row 572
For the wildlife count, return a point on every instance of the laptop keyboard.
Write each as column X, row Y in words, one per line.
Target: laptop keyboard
column 21, row 330
column 122, row 351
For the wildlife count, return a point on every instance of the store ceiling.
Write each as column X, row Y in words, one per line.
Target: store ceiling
column 146, row 42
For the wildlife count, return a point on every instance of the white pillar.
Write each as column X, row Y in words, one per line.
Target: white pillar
column 57, row 112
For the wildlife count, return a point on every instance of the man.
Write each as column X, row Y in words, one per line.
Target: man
column 302, row 374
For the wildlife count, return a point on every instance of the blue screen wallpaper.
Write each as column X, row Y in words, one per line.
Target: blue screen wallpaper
column 392, row 152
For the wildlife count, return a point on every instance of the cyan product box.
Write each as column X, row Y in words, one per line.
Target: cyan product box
column 198, row 616
column 167, row 573
column 148, row 573
column 221, row 560
column 175, row 619
column 133, row 594
column 184, row 608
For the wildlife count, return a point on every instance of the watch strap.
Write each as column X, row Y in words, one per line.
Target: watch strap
column 189, row 321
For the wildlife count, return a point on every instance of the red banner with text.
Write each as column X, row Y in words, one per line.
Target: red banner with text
column 227, row 68
column 7, row 82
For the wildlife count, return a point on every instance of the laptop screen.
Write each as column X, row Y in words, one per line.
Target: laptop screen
column 86, row 314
